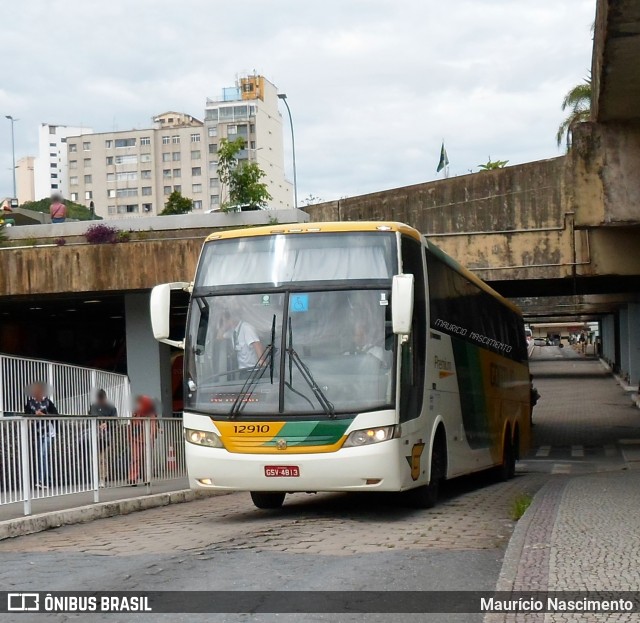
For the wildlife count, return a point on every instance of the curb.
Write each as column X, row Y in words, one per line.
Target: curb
column 82, row 514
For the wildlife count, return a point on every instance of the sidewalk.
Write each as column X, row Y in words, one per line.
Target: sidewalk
column 582, row 532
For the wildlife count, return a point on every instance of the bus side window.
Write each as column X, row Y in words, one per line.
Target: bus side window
column 413, row 354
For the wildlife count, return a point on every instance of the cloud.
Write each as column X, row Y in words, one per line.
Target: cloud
column 374, row 85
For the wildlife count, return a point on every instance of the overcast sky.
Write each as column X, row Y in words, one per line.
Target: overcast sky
column 374, row 85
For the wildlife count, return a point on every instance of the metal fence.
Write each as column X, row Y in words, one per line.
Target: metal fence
column 70, row 387
column 44, row 457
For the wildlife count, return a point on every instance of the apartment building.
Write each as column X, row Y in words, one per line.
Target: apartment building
column 248, row 110
column 132, row 172
column 50, row 172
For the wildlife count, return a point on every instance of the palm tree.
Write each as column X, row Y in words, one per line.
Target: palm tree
column 578, row 101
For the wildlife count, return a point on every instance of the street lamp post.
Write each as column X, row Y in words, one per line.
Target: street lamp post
column 283, row 97
column 13, row 154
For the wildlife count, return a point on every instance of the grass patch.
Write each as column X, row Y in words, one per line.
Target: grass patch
column 520, row 505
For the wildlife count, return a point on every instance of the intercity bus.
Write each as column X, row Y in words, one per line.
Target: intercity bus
column 371, row 361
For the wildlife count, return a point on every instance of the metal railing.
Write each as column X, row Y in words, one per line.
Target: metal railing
column 71, row 387
column 45, row 457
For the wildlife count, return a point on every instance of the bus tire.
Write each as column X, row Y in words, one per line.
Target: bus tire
column 426, row 496
column 507, row 469
column 269, row 500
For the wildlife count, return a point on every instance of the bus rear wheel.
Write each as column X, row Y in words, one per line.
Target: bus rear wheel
column 507, row 469
column 268, row 499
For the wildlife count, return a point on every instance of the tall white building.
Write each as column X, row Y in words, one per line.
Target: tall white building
column 50, row 170
column 248, row 110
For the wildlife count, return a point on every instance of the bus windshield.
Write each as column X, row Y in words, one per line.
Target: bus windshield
column 285, row 353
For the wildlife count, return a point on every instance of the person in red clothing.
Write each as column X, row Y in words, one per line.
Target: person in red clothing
column 145, row 410
column 57, row 210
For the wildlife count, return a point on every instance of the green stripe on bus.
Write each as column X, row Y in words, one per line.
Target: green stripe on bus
column 313, row 433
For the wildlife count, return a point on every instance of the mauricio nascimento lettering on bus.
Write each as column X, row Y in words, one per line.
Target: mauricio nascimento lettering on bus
column 476, row 337
column 555, row 604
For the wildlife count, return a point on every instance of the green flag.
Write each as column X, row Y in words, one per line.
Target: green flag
column 444, row 161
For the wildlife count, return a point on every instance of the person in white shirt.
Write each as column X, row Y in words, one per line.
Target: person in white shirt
column 246, row 343
column 365, row 346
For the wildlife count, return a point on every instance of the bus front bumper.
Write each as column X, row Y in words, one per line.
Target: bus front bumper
column 381, row 467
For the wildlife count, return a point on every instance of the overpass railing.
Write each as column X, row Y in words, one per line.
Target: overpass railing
column 71, row 388
column 45, row 457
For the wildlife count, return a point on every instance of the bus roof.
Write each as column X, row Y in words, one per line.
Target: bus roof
column 362, row 226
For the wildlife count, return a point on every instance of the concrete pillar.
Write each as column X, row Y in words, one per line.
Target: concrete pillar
column 624, row 341
column 148, row 361
column 608, row 338
column 634, row 343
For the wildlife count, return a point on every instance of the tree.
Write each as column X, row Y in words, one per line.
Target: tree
column 74, row 210
column 177, row 204
column 491, row 165
column 311, row 200
column 241, row 178
column 578, row 101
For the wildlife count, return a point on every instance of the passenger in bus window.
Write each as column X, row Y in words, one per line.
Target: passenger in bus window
column 245, row 341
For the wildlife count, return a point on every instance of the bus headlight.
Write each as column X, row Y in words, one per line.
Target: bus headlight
column 368, row 436
column 202, row 438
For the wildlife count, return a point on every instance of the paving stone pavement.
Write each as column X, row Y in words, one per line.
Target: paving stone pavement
column 582, row 532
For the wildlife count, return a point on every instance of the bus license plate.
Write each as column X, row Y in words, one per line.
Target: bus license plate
column 281, row 471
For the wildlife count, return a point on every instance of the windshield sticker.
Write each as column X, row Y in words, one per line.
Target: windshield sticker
column 383, row 298
column 299, row 303
column 266, row 299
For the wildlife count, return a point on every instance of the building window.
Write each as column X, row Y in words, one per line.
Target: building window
column 167, row 190
column 73, row 180
column 127, row 176
column 196, row 188
column 54, row 186
column 54, row 176
column 253, row 144
column 166, row 140
column 177, row 173
column 214, row 200
column 147, row 207
column 86, row 146
column 232, row 129
column 74, row 197
column 63, row 139
column 53, row 155
column 213, row 167
column 252, row 127
column 111, row 193
column 177, row 188
column 213, row 131
column 111, row 177
column 145, row 174
column 196, row 171
column 73, row 164
column 145, row 157
column 145, row 140
column 166, row 157
column 88, row 194
column 109, row 160
column 127, row 192
column 52, row 145
column 197, row 204
column 87, row 163
column 108, row 144
column 213, row 148
column 73, row 147
column 175, row 139
column 53, row 165
column 87, row 179
column 125, row 142
column 146, row 191
column 128, row 159
column 175, row 156
column 166, row 173
column 52, row 129
column 131, row 208
column 195, row 138
column 213, row 182
column 111, row 209
column 195, row 154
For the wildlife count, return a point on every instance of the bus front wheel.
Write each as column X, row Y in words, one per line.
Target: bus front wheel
column 426, row 496
column 268, row 499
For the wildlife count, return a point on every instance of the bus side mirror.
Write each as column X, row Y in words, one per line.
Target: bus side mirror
column 160, row 305
column 402, row 304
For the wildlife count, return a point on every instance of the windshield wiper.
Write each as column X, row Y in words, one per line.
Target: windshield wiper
column 294, row 358
column 256, row 374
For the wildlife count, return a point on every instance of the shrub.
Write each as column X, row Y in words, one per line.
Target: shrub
column 520, row 505
column 102, row 234
column 60, row 241
column 124, row 236
column 30, row 242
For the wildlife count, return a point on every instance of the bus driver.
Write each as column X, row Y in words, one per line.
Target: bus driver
column 246, row 343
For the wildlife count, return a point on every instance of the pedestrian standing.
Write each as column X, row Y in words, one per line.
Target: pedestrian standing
column 57, row 210
column 43, row 432
column 145, row 411
column 102, row 408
